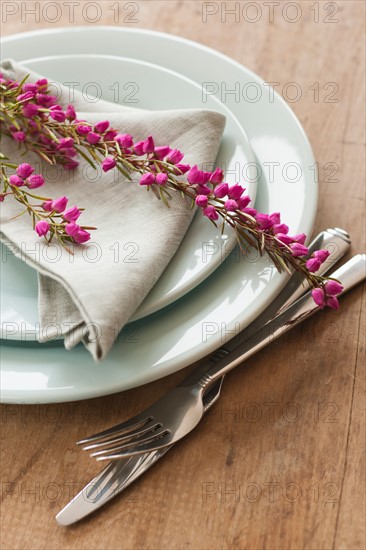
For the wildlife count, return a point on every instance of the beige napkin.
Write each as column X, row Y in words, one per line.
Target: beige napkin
column 90, row 296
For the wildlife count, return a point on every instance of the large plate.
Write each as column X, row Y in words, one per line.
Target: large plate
column 155, row 88
column 236, row 292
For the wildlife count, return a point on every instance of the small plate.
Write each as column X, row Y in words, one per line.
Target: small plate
column 155, row 88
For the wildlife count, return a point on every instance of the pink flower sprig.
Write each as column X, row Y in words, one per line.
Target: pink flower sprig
column 34, row 119
column 51, row 219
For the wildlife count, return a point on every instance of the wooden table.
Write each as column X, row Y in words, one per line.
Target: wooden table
column 279, row 463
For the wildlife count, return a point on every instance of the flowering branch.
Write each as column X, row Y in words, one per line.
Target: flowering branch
column 33, row 118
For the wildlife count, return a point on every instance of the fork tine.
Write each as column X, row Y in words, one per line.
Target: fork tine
column 141, row 446
column 121, row 438
column 137, row 421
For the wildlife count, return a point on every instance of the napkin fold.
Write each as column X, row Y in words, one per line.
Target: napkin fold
column 89, row 296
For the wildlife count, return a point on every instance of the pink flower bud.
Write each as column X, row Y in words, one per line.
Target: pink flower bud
column 322, row 255
column 13, row 84
column 72, row 214
column 102, row 126
column 161, row 178
column 243, row 202
column 18, row 136
column 298, row 249
column 202, row 200
column 47, row 206
column 72, row 228
column 138, row 148
column 174, row 156
column 275, row 218
column 42, row 84
column 59, row 205
column 183, row 168
column 29, row 87
column 93, row 138
column 161, row 151
column 83, row 129
column 24, row 170
column 210, row 212
column 333, row 288
column 2, row 197
column 27, row 96
column 110, row 135
column 30, row 110
column 301, row 238
column 108, row 164
column 217, row 176
column 124, row 140
column 332, row 302
column 313, row 264
column 70, row 112
column 197, row 176
column 221, row 190
column 231, row 205
column 264, row 221
column 280, row 228
column 147, row 179
column 66, row 143
column 45, row 100
column 81, row 236
column 235, row 191
column 34, row 181
column 148, row 146
column 16, row 181
column 56, row 113
column 42, row 227
column 203, row 190
column 318, row 297
column 284, row 238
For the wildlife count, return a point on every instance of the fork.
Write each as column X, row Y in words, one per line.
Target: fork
column 180, row 410
column 118, row 475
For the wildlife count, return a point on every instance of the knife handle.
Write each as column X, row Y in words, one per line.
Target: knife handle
column 350, row 274
column 336, row 241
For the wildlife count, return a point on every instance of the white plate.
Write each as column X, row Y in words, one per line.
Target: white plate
column 238, row 290
column 154, row 88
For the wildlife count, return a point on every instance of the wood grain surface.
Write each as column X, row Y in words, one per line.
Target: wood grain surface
column 279, row 462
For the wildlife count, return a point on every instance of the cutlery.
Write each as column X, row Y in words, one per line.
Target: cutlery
column 179, row 411
column 118, row 475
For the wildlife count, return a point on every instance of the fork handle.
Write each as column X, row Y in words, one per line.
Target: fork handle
column 350, row 274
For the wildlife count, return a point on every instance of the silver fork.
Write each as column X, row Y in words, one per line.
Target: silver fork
column 179, row 411
column 118, row 475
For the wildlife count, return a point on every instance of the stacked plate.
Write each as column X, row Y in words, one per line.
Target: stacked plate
column 209, row 291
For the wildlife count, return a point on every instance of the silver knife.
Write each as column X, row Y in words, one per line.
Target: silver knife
column 118, row 475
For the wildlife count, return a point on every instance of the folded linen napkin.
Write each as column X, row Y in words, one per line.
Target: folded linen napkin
column 90, row 296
